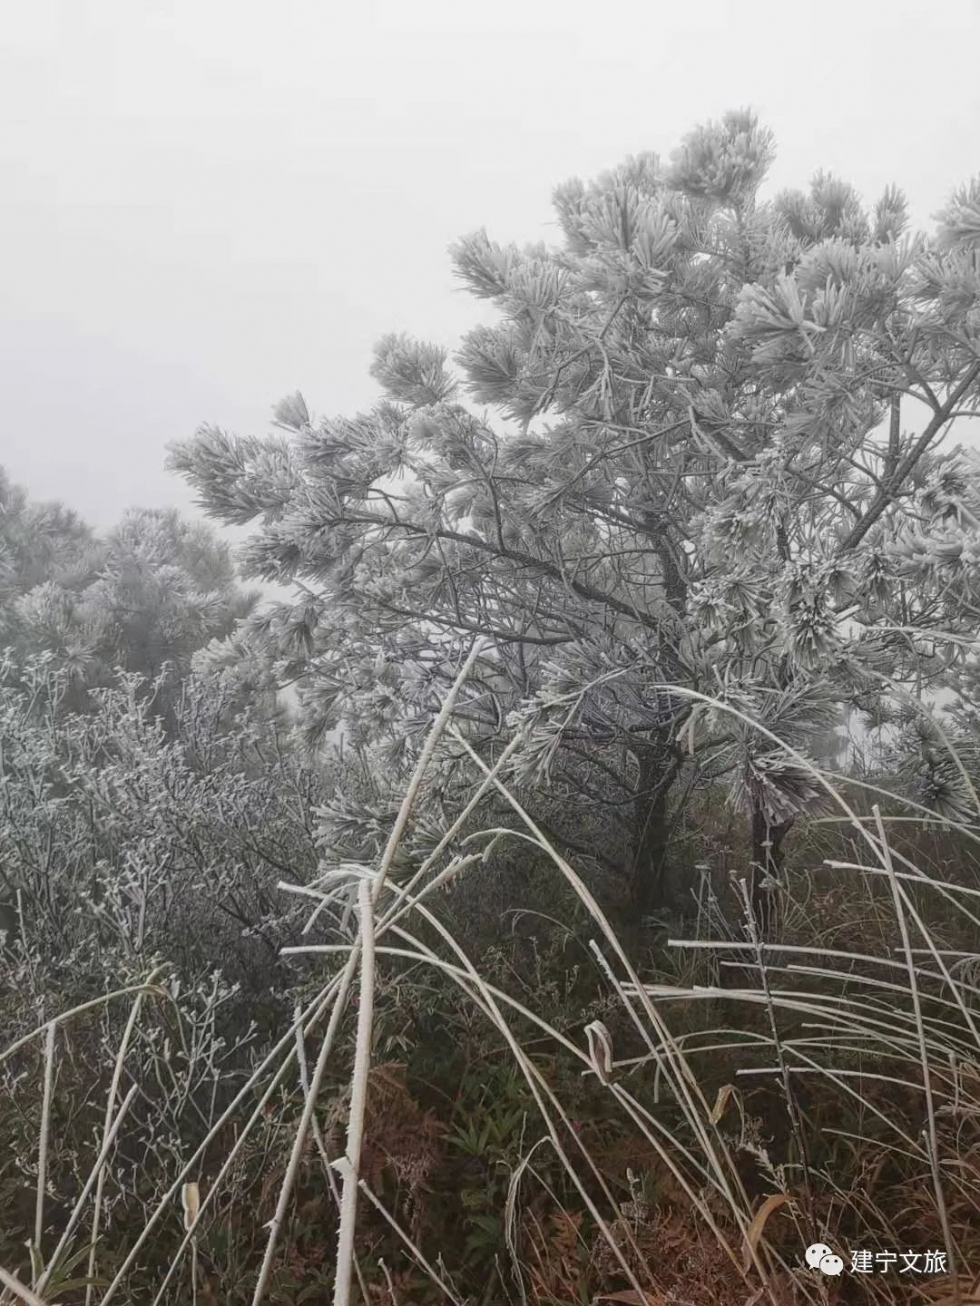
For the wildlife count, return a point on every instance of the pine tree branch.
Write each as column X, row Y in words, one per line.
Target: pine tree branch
column 892, row 487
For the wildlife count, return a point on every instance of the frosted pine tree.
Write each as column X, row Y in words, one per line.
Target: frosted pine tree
column 146, row 595
column 684, row 458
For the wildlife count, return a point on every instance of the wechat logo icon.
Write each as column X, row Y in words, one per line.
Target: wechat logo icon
column 821, row 1257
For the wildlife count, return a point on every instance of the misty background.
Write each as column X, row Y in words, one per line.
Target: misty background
column 208, row 206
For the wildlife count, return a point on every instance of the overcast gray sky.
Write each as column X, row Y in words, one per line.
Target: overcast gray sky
column 208, row 204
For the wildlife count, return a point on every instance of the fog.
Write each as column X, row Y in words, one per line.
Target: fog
column 209, row 205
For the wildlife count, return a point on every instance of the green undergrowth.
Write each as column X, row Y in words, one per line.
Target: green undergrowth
column 822, row 1084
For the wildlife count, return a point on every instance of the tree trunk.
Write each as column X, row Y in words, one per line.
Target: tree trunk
column 660, row 758
column 767, row 863
column 659, row 764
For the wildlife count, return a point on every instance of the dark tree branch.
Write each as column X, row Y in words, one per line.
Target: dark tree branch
column 893, row 485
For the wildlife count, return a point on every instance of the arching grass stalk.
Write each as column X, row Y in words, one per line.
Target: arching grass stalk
column 82, row 1007
column 752, row 926
column 933, row 1142
column 484, row 998
column 321, row 1147
column 689, row 1093
column 96, row 1173
column 299, row 1141
column 20, row 1291
column 358, row 1101
column 310, row 1018
column 387, row 859
column 413, row 1248
column 42, row 1150
column 107, row 1129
